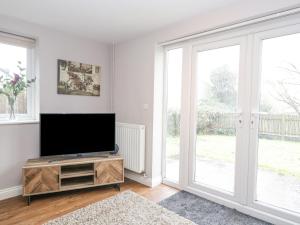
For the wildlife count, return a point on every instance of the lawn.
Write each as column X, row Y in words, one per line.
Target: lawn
column 282, row 157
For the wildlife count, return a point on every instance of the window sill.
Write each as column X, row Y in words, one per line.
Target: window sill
column 18, row 122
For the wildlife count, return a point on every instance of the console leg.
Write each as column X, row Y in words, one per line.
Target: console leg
column 28, row 200
column 118, row 187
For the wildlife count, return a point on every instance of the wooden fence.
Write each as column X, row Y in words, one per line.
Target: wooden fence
column 270, row 125
column 21, row 104
column 279, row 125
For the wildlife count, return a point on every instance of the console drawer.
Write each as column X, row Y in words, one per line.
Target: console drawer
column 107, row 172
column 41, row 179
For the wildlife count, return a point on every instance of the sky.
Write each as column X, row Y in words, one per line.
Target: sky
column 211, row 60
column 174, row 72
column 10, row 55
column 207, row 62
column 277, row 55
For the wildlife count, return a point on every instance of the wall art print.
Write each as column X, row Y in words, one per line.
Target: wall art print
column 75, row 78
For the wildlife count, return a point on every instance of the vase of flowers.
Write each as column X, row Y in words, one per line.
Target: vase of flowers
column 11, row 85
column 11, row 103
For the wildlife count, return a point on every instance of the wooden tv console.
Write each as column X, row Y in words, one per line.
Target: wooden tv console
column 52, row 174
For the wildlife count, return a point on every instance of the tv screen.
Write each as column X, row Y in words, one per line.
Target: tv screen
column 63, row 134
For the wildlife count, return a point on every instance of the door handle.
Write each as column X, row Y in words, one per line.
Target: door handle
column 254, row 118
column 239, row 118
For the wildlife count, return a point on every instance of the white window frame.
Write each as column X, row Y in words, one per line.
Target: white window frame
column 165, row 105
column 31, row 72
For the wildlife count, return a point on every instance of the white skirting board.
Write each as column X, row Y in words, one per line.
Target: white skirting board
column 140, row 178
column 10, row 192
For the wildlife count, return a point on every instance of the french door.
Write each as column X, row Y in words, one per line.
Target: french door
column 274, row 169
column 217, row 112
column 232, row 112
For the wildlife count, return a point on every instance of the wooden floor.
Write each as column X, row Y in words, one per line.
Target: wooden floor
column 46, row 207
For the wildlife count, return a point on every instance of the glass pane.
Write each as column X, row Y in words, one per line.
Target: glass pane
column 174, row 72
column 217, row 80
column 278, row 177
column 9, row 57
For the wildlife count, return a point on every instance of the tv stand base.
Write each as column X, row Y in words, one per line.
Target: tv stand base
column 118, row 187
column 41, row 176
column 28, row 200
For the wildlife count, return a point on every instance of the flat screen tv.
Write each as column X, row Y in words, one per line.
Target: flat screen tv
column 64, row 134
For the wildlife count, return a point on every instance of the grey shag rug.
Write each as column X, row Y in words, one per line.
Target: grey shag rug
column 126, row 208
column 204, row 212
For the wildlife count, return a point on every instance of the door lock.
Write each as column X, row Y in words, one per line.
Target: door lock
column 239, row 119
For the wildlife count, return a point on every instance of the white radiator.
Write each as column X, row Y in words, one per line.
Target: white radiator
column 131, row 141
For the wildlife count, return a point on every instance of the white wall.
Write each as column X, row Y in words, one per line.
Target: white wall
column 20, row 142
column 135, row 63
column 133, row 81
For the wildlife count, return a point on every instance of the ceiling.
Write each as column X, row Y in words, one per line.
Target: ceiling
column 107, row 20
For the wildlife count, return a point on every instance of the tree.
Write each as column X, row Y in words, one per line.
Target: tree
column 221, row 98
column 223, row 87
column 285, row 88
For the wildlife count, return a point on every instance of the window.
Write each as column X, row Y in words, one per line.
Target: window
column 173, row 105
column 17, row 60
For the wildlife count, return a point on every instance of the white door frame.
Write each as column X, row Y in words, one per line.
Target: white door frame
column 254, row 131
column 238, row 185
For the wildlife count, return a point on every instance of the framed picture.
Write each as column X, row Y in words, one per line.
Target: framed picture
column 75, row 78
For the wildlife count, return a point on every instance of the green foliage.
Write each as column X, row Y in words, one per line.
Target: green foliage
column 220, row 99
column 223, row 88
column 11, row 85
column 173, row 123
column 210, row 123
column 282, row 157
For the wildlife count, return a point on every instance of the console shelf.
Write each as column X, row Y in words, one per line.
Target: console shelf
column 46, row 175
column 77, row 174
column 77, row 182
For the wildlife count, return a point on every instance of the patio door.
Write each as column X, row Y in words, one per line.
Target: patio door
column 232, row 120
column 218, row 111
column 275, row 123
